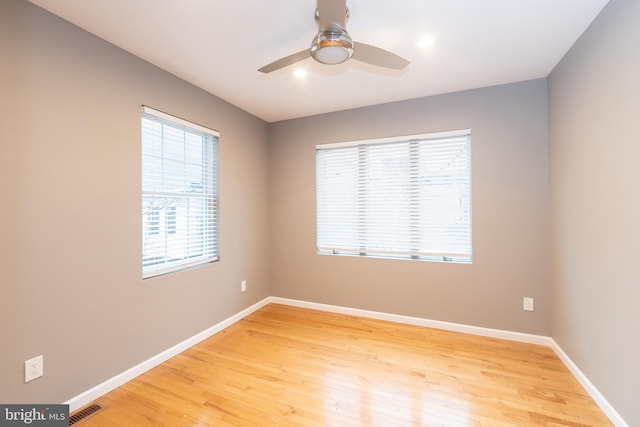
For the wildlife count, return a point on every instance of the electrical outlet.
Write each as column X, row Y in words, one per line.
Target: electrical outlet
column 243, row 286
column 527, row 304
column 33, row 368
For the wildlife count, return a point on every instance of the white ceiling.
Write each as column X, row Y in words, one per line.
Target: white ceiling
column 218, row 45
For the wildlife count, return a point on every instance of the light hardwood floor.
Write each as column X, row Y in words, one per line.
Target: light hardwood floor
column 287, row 366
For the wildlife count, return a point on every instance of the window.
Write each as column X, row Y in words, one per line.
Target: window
column 407, row 197
column 179, row 194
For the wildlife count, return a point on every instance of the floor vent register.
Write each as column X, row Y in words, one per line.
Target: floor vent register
column 84, row 413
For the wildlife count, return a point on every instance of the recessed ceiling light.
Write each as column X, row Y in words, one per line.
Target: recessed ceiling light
column 300, row 73
column 426, row 42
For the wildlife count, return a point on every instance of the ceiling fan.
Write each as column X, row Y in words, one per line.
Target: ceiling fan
column 332, row 45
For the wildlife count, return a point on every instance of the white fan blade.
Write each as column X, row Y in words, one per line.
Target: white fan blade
column 377, row 56
column 286, row 61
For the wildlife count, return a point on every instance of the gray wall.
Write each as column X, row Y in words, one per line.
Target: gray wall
column 510, row 212
column 70, row 222
column 594, row 111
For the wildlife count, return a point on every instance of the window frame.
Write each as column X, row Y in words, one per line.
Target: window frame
column 180, row 194
column 411, row 218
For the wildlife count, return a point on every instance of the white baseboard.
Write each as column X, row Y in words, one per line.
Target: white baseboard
column 120, row 379
column 101, row 389
column 595, row 394
column 417, row 321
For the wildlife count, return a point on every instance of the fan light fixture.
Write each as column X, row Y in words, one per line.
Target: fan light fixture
column 331, row 47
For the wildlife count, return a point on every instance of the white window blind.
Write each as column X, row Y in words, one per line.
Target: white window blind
column 179, row 194
column 407, row 197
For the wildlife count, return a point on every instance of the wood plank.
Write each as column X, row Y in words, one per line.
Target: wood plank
column 285, row 365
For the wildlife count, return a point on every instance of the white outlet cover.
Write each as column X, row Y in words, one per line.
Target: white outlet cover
column 33, row 368
column 527, row 304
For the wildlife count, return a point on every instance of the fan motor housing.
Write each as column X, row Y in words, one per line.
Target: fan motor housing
column 332, row 47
